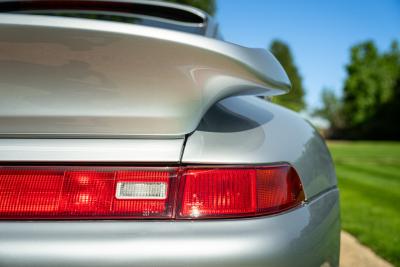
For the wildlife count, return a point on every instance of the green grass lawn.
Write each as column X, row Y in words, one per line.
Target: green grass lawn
column 369, row 182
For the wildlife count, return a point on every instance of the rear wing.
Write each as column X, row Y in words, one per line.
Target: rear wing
column 70, row 76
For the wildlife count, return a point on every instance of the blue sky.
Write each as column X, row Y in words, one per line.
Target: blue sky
column 319, row 33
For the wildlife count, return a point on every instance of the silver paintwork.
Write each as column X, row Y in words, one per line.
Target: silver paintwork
column 68, row 76
column 249, row 130
column 182, row 76
column 90, row 150
column 307, row 236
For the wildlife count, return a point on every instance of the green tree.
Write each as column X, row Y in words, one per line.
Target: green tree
column 331, row 110
column 370, row 82
column 208, row 6
column 385, row 124
column 295, row 99
column 371, row 96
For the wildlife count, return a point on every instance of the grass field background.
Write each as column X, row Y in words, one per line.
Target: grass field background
column 369, row 182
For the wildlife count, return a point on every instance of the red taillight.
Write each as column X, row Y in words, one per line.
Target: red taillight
column 77, row 193
column 232, row 192
column 136, row 192
column 208, row 192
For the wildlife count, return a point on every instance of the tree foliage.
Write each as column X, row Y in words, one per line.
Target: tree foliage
column 369, row 84
column 331, row 109
column 370, row 107
column 208, row 6
column 295, row 99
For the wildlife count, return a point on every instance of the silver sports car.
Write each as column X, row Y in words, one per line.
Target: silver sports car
column 131, row 134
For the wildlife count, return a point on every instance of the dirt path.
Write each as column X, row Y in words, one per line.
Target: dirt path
column 352, row 253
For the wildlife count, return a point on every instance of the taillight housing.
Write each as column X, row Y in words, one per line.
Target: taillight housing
column 86, row 192
column 238, row 192
column 28, row 192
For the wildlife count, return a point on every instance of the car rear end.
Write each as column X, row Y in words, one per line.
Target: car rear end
column 129, row 213
column 129, row 145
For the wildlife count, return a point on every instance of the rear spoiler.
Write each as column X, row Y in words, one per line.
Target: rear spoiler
column 69, row 76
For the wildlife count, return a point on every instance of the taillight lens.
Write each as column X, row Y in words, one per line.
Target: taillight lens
column 232, row 192
column 78, row 193
column 146, row 192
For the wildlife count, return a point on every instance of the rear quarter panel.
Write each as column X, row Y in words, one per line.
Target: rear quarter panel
column 249, row 130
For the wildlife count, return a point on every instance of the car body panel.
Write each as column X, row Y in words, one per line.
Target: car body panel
column 90, row 150
column 85, row 92
column 249, row 130
column 69, row 76
column 306, row 236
